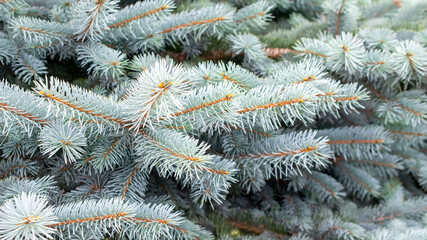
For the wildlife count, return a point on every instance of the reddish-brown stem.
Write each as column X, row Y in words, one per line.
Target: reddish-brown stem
column 367, row 141
column 270, row 105
column 124, row 22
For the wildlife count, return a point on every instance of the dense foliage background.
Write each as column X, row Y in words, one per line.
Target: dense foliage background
column 162, row 119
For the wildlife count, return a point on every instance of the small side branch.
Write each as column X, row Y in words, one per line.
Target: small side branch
column 339, row 18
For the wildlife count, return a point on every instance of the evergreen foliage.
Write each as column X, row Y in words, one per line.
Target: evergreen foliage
column 206, row 119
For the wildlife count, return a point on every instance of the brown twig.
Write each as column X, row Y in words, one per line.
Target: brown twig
column 339, row 17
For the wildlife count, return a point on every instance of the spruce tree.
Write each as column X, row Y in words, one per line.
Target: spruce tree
column 208, row 119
